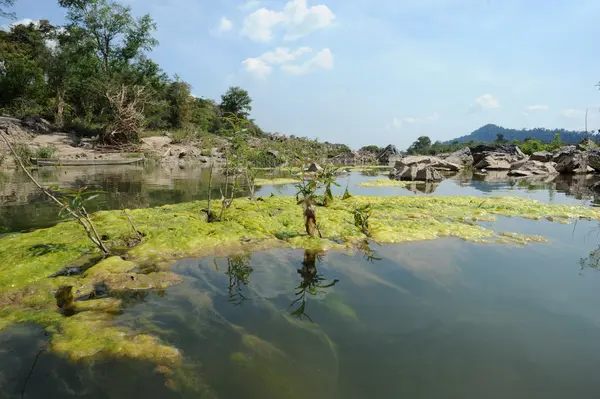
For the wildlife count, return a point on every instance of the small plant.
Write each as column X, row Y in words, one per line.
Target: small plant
column 347, row 194
column 24, row 153
column 45, row 152
column 362, row 215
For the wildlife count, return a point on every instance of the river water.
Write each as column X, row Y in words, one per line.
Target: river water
column 436, row 319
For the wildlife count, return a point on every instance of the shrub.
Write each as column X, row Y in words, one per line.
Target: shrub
column 45, row 152
column 264, row 159
column 24, row 152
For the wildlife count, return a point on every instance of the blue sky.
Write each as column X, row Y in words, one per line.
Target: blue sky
column 387, row 71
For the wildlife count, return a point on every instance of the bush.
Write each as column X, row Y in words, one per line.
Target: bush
column 82, row 128
column 45, row 152
column 24, row 152
column 263, row 159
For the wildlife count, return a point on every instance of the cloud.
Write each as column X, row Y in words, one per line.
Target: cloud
column 261, row 66
column 322, row 60
column 573, row 113
column 538, row 108
column 257, row 67
column 225, row 25
column 296, row 20
column 250, row 5
column 486, row 101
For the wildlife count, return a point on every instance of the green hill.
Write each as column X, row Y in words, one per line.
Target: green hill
column 489, row 133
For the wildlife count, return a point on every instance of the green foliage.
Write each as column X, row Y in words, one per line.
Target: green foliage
column 500, row 139
column 263, row 159
column 45, row 152
column 236, row 101
column 370, row 148
column 421, row 146
column 180, row 103
column 362, row 214
column 24, row 152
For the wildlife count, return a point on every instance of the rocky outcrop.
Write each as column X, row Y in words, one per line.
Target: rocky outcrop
column 432, row 162
column 495, row 162
column 541, row 156
column 314, row 167
column 461, row 157
column 532, row 168
column 508, row 152
column 415, row 172
column 571, row 160
column 388, row 155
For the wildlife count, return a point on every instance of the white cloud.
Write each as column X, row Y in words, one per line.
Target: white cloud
column 257, row 67
column 399, row 123
column 538, row 108
column 411, row 120
column 322, row 60
column 225, row 25
column 282, row 55
column 296, row 20
column 433, row 117
column 573, row 113
column 250, row 5
column 487, row 101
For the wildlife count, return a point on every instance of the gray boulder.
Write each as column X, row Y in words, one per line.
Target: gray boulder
column 510, row 151
column 432, row 162
column 314, row 167
column 388, row 155
column 571, row 160
column 593, row 158
column 461, row 157
column 530, row 168
column 541, row 156
column 416, row 172
column 495, row 162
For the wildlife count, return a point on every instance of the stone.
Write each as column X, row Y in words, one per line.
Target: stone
column 461, row 157
column 571, row 160
column 314, row 167
column 388, row 155
column 529, row 168
column 432, row 162
column 273, row 153
column 36, row 124
column 203, row 159
column 510, row 151
column 541, row 156
column 416, row 172
column 494, row 162
column 593, row 158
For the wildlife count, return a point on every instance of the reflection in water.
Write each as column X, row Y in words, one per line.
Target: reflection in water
column 312, row 282
column 369, row 254
column 422, row 187
column 238, row 271
column 592, row 261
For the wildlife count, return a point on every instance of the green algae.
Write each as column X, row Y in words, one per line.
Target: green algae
column 383, row 183
column 175, row 231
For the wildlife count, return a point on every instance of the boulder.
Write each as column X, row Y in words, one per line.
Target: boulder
column 273, row 153
column 530, row 168
column 383, row 157
column 461, row 157
column 432, row 162
column 511, row 151
column 203, row 159
column 541, row 156
column 494, row 162
column 314, row 167
column 416, row 172
column 593, row 159
column 571, row 160
column 36, row 124
column 595, row 187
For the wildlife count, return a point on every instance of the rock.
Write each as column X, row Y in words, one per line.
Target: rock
column 203, row 159
column 273, row 153
column 510, row 151
column 595, row 187
column 416, row 172
column 36, row 124
column 494, row 162
column 461, row 157
column 541, row 156
column 571, row 160
column 530, row 168
column 432, row 162
column 384, row 157
column 314, row 167
column 182, row 154
column 167, row 153
column 593, row 159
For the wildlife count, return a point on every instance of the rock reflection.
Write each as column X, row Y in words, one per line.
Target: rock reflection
column 422, row 187
column 312, row 282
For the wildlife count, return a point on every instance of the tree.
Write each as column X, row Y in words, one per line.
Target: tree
column 236, row 101
column 180, row 103
column 500, row 139
column 117, row 36
column 556, row 142
column 421, row 146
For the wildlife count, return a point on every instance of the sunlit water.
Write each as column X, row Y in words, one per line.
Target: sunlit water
column 437, row 319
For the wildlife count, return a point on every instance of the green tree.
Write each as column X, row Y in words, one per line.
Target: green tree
column 421, row 146
column 236, row 101
column 500, row 139
column 180, row 103
column 556, row 142
column 118, row 38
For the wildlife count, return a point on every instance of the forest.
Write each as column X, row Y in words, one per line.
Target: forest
column 93, row 76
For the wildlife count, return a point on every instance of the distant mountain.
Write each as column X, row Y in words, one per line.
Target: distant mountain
column 489, row 133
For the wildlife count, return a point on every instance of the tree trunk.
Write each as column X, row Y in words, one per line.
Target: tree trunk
column 310, row 221
column 60, row 107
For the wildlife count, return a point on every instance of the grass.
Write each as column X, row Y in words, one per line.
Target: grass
column 45, row 152
column 383, row 183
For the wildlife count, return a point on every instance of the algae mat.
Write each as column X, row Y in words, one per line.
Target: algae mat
column 28, row 261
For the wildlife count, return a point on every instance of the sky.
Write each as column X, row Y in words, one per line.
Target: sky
column 382, row 72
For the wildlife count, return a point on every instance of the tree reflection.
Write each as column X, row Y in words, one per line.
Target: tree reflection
column 365, row 248
column 591, row 262
column 238, row 271
column 312, row 282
